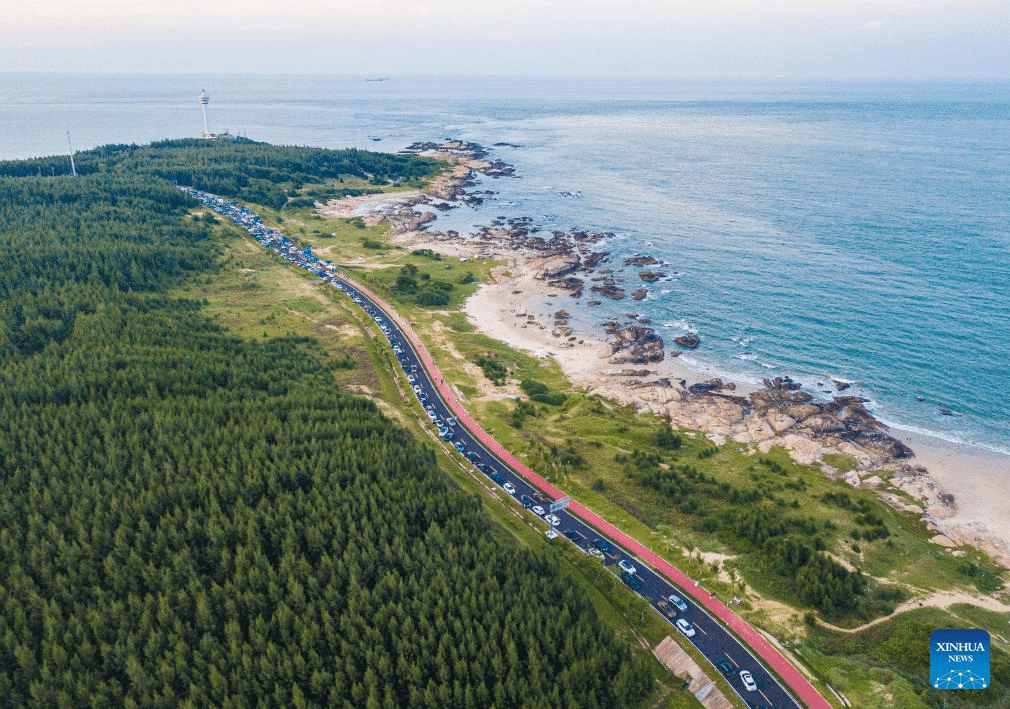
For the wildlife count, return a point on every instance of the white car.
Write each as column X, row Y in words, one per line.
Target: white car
column 677, row 601
column 748, row 681
column 595, row 553
column 538, row 510
column 627, row 567
column 552, row 520
column 686, row 628
column 509, row 488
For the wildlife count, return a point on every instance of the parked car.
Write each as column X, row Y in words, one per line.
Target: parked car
column 595, row 553
column 666, row 609
column 552, row 520
column 460, row 447
column 602, row 545
column 527, row 502
column 627, row 567
column 686, row 628
column 573, row 535
column 509, row 488
column 724, row 666
column 452, row 422
column 677, row 601
column 538, row 510
column 633, row 581
column 748, row 681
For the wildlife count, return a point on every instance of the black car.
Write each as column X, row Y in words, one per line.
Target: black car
column 633, row 581
column 724, row 666
column 573, row 535
column 602, row 545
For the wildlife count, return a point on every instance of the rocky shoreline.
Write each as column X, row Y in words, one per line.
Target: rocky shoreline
column 552, row 263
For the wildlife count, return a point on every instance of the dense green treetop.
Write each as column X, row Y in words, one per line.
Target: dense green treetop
column 257, row 172
column 192, row 519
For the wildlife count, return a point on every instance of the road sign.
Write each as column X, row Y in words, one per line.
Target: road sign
column 561, row 504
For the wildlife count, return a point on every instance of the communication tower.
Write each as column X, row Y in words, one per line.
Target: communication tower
column 204, row 100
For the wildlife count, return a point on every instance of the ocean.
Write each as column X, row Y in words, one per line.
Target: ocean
column 828, row 231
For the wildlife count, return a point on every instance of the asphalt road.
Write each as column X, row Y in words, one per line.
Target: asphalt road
column 710, row 638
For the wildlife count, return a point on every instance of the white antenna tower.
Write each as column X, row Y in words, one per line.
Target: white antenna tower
column 204, row 100
column 73, row 167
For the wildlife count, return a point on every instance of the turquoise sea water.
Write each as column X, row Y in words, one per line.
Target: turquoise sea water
column 851, row 231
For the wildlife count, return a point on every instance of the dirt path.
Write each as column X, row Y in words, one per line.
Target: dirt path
column 940, row 599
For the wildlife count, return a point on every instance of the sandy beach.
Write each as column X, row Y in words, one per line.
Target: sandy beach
column 956, row 488
column 978, row 514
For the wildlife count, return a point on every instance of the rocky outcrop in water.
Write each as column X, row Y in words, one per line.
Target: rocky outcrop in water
column 571, row 284
column 691, row 341
column 640, row 261
column 650, row 276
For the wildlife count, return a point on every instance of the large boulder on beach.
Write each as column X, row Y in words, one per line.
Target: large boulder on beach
column 635, row 344
column 559, row 265
column 822, row 423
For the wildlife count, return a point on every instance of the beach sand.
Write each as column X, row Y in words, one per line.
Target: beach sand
column 961, row 491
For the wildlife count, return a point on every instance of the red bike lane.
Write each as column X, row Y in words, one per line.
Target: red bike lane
column 750, row 637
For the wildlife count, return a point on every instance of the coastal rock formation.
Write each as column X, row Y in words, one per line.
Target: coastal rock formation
column 634, row 344
column 594, row 259
column 639, row 294
column 691, row 341
column 609, row 289
column 650, row 276
column 569, row 283
column 640, row 261
column 558, row 265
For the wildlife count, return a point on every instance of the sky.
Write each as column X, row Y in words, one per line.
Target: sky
column 641, row 38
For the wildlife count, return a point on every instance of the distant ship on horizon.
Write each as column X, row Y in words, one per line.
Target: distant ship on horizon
column 380, row 78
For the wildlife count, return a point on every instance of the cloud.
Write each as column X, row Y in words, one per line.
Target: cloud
column 872, row 26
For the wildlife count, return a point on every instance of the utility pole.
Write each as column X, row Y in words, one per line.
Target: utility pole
column 73, row 168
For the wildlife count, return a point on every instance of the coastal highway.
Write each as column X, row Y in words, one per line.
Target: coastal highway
column 710, row 637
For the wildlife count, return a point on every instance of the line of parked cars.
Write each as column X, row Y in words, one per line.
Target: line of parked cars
column 275, row 240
